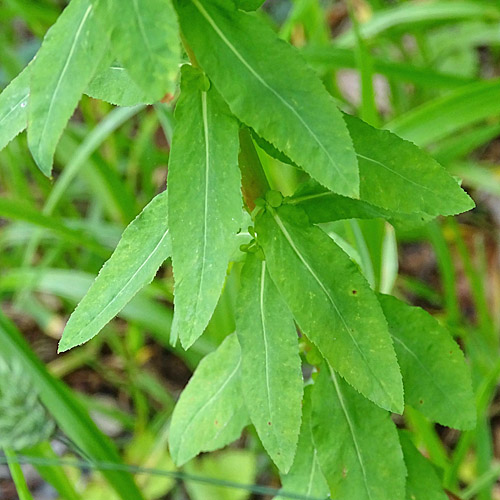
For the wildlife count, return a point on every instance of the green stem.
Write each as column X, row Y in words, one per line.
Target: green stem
column 17, row 475
column 189, row 51
column 254, row 183
column 365, row 67
column 482, row 482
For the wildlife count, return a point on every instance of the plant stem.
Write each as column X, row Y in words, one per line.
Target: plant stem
column 253, row 178
column 365, row 67
column 17, row 475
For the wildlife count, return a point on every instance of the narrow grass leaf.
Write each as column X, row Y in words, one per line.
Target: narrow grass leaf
column 445, row 115
column 205, row 203
column 14, row 107
column 271, row 375
column 144, row 246
column 211, row 411
column 390, row 168
column 358, row 446
column 146, row 41
column 113, row 84
column 305, row 476
column 408, row 15
column 435, row 376
column 332, row 57
column 321, row 205
column 19, row 210
column 422, row 482
column 67, row 60
column 68, row 413
column 300, row 120
column 332, row 303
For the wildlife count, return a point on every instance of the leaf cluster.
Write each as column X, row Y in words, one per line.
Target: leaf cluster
column 304, row 305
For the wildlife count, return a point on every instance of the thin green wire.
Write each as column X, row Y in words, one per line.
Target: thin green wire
column 82, row 464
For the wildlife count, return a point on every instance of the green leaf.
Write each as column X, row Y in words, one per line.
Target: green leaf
column 210, row 412
column 331, row 56
column 300, row 120
column 20, row 210
column 410, row 15
column 436, row 378
column 113, row 84
column 357, row 443
column 70, row 416
column 236, row 466
column 332, row 303
column 390, row 168
column 422, row 482
column 146, row 41
column 13, row 107
column 144, row 246
column 434, row 120
column 70, row 54
column 271, row 375
column 205, row 200
column 305, row 476
column 321, row 205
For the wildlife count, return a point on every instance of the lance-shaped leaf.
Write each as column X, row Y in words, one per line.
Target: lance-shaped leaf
column 357, row 443
column 290, row 107
column 211, row 411
column 144, row 246
column 422, row 482
column 436, row 378
column 113, row 84
column 397, row 175
column 321, row 205
column 271, row 374
column 305, row 476
column 13, row 107
column 205, row 203
column 146, row 40
column 70, row 54
column 332, row 303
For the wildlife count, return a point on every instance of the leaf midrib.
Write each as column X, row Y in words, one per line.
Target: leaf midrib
column 264, row 335
column 13, row 108
column 432, row 378
column 63, row 72
column 206, row 136
column 351, row 429
column 141, row 25
column 395, row 172
column 207, row 403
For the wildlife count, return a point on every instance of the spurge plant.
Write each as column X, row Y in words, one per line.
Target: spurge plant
column 319, row 358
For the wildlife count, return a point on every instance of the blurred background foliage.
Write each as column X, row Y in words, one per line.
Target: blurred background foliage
column 428, row 70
